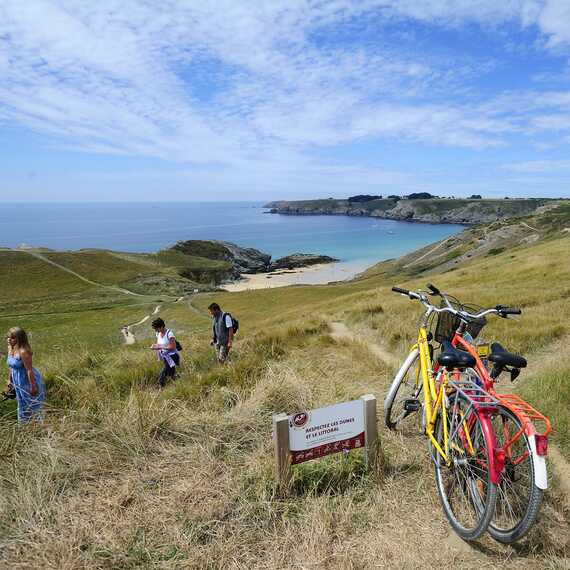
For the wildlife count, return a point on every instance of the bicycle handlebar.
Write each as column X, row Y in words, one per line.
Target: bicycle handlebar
column 401, row 291
column 434, row 290
column 504, row 311
column 500, row 310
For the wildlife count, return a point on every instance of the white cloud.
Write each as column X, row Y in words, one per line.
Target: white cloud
column 542, row 166
column 252, row 88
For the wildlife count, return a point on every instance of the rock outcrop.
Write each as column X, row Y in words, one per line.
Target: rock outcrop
column 237, row 259
column 212, row 261
column 247, row 259
column 297, row 260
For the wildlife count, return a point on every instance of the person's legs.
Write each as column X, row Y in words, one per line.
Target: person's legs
column 168, row 371
column 223, row 352
column 164, row 374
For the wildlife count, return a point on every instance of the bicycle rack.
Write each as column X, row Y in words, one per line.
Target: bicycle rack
column 525, row 412
column 478, row 398
column 475, row 394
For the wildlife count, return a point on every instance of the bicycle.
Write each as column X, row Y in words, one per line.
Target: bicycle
column 519, row 447
column 456, row 419
column 524, row 478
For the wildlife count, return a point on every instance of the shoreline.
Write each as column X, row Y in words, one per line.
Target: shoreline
column 319, row 274
column 393, row 219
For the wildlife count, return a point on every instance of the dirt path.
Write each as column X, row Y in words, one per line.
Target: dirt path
column 127, row 332
column 78, row 275
column 440, row 244
column 340, row 331
column 561, row 469
column 529, row 227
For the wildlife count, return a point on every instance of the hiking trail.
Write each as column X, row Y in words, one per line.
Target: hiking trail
column 339, row 331
column 126, row 330
column 79, row 276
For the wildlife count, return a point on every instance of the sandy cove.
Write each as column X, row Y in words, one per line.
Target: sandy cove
column 315, row 275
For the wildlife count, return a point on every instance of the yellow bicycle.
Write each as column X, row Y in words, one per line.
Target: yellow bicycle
column 456, row 420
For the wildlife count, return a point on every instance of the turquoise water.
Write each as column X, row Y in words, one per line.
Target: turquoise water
column 147, row 227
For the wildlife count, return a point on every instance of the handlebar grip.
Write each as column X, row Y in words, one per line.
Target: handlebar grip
column 401, row 291
column 511, row 311
column 434, row 290
column 504, row 311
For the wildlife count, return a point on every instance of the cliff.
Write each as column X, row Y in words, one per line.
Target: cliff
column 435, row 211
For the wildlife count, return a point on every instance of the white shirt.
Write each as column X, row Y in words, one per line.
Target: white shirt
column 164, row 340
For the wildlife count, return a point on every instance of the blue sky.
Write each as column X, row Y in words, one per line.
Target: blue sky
column 258, row 100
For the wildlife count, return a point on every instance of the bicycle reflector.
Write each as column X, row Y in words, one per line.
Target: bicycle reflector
column 541, row 444
column 483, row 350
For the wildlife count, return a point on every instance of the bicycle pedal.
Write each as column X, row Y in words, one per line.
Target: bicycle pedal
column 412, row 405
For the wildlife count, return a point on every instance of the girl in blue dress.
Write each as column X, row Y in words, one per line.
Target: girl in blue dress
column 26, row 380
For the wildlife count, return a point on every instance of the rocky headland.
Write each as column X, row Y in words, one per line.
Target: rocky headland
column 230, row 261
column 434, row 211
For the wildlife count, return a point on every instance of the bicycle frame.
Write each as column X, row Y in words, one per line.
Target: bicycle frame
column 433, row 398
column 435, row 401
column 525, row 413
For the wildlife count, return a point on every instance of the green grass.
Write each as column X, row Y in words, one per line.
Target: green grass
column 549, row 391
column 25, row 278
column 127, row 476
column 102, row 266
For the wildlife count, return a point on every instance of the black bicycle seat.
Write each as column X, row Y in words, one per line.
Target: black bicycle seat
column 450, row 357
column 502, row 357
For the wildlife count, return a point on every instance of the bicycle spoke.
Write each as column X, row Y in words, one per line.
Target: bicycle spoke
column 518, row 497
column 467, row 494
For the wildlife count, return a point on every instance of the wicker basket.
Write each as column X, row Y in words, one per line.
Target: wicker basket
column 448, row 323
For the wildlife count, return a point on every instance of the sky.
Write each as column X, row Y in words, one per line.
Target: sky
column 156, row 100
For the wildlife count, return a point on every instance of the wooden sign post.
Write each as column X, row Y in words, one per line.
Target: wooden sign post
column 281, row 441
column 372, row 447
column 314, row 434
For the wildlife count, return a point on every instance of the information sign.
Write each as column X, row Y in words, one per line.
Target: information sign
column 316, row 433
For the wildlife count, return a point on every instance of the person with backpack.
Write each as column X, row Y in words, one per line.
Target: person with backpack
column 224, row 326
column 167, row 349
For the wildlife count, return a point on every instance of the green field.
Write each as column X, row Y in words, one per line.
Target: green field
column 125, row 476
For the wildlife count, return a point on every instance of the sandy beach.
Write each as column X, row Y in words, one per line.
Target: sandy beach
column 315, row 275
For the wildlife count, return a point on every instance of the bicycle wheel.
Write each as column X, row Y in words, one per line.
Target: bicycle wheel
column 467, row 494
column 519, row 498
column 402, row 399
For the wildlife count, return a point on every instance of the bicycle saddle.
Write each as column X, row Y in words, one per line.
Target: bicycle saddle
column 501, row 357
column 450, row 357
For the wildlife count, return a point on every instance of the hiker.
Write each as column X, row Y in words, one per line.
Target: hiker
column 26, row 380
column 166, row 348
column 223, row 331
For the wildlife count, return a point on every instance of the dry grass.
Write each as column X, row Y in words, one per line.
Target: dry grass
column 147, row 479
column 124, row 476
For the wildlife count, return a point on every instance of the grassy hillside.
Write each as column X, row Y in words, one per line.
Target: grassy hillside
column 87, row 295
column 124, row 476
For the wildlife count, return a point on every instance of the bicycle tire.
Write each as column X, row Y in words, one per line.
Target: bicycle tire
column 479, row 493
column 524, row 511
column 400, row 390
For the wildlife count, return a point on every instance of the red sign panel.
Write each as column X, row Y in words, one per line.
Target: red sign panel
column 355, row 442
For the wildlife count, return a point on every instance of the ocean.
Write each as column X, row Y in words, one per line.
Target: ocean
column 148, row 227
